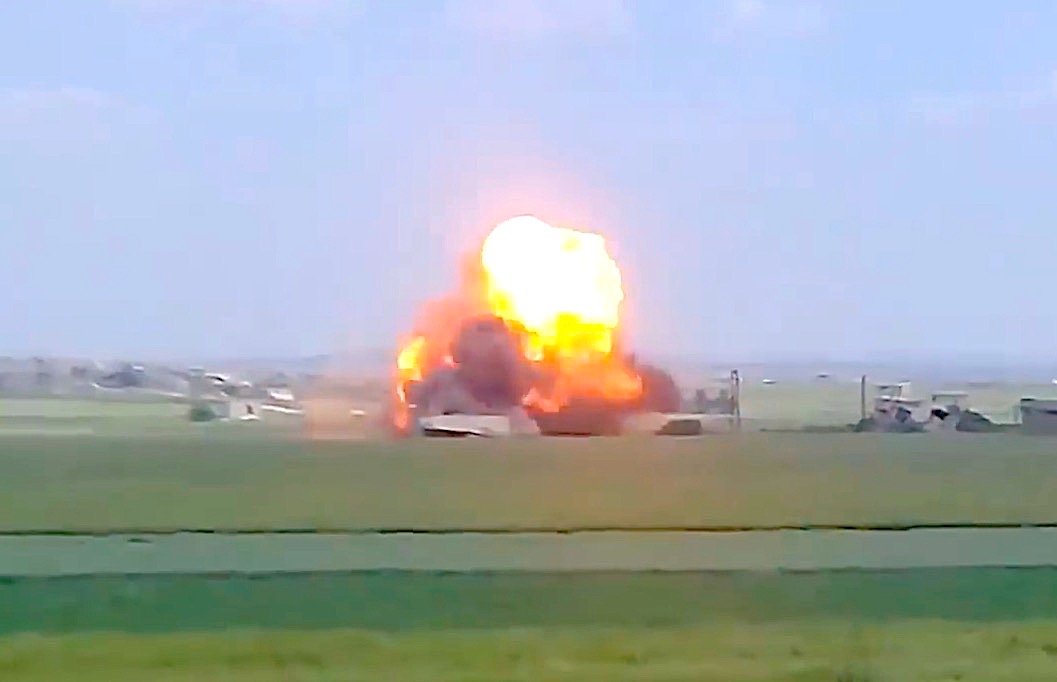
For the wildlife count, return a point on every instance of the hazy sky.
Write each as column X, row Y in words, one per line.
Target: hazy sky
column 280, row 177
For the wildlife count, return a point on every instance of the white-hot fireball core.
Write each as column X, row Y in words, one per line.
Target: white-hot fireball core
column 560, row 284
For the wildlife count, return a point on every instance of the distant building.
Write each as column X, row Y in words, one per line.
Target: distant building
column 1038, row 416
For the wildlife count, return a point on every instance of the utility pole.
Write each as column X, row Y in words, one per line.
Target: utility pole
column 862, row 397
column 735, row 396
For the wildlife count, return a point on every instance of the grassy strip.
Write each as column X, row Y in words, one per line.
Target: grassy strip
column 110, row 484
column 396, row 601
column 805, row 651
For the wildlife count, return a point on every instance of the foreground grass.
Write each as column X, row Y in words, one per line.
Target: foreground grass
column 103, row 484
column 800, row 652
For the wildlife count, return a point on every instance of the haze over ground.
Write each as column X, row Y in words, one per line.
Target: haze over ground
column 189, row 178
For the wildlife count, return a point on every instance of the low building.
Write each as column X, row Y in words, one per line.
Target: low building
column 1038, row 416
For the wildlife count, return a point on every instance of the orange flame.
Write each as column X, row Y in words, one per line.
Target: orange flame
column 561, row 289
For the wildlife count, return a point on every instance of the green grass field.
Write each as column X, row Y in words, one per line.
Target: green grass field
column 820, row 651
column 231, row 480
column 142, row 469
column 395, row 601
column 966, row 624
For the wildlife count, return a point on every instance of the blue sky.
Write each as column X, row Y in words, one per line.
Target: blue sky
column 282, row 177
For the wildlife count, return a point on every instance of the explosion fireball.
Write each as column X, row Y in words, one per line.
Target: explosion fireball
column 555, row 296
column 559, row 284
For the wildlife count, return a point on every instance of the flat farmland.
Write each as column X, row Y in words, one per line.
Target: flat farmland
column 398, row 601
column 257, row 606
column 210, row 481
column 817, row 651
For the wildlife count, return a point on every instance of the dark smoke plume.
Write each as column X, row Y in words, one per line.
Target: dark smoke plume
column 489, row 375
